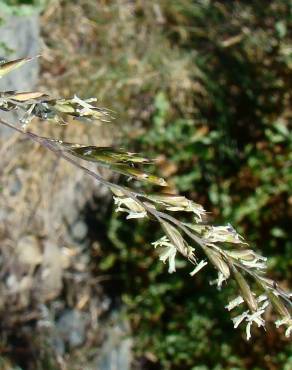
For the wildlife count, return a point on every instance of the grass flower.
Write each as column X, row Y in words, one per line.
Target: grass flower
column 223, row 247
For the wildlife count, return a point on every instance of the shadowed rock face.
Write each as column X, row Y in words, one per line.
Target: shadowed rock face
column 116, row 351
column 19, row 37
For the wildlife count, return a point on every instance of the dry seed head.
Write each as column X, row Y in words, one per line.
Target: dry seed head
column 245, row 291
column 224, row 234
column 217, row 261
column 175, row 237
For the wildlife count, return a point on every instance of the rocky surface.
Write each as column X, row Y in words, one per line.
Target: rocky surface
column 45, row 254
column 116, row 352
column 19, row 38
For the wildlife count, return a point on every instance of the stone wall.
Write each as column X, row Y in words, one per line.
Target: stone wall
column 40, row 215
column 19, row 37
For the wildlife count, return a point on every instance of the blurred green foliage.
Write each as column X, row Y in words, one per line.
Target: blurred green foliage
column 22, row 7
column 205, row 84
column 215, row 104
column 20, row 2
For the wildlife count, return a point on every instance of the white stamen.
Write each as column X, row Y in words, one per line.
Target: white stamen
column 234, row 303
column 262, row 298
column 288, row 331
column 169, row 253
column 198, row 267
column 248, row 334
column 285, row 321
column 220, row 280
column 136, row 215
column 238, row 319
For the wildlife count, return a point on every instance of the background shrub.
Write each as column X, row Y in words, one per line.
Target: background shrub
column 217, row 109
column 206, row 84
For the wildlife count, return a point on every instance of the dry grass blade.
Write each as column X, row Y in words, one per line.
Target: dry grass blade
column 8, row 67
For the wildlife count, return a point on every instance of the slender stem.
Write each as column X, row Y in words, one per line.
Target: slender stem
column 46, row 143
column 161, row 215
column 133, row 195
column 158, row 215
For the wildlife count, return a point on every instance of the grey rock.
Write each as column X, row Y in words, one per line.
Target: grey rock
column 71, row 327
column 79, row 230
column 15, row 187
column 116, row 353
column 3, row 215
column 70, row 213
column 20, row 35
column 58, row 344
